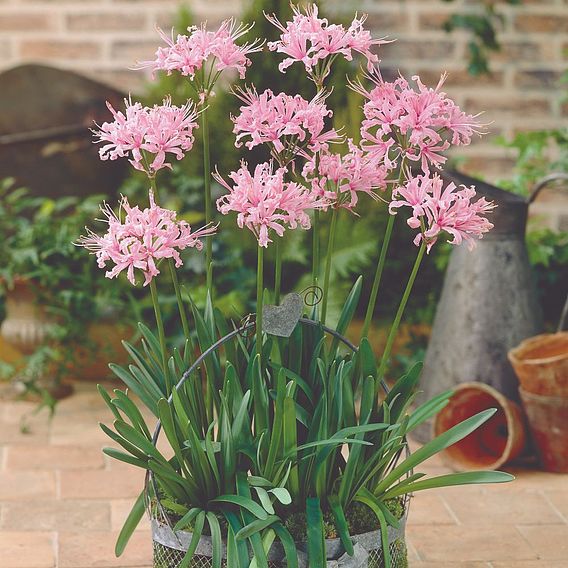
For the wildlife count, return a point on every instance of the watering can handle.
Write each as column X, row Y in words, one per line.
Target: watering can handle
column 556, row 176
column 541, row 184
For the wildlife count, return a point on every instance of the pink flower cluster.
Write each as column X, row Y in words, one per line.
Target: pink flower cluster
column 340, row 178
column 141, row 240
column 141, row 132
column 311, row 39
column 417, row 124
column 188, row 53
column 436, row 210
column 290, row 124
column 263, row 201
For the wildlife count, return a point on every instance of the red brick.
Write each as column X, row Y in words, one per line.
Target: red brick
column 488, row 167
column 5, row 49
column 406, row 49
column 511, row 104
column 433, row 20
column 538, row 78
column 515, row 51
column 385, row 23
column 134, row 50
column 456, row 544
column 53, row 457
column 550, row 542
column 101, row 484
column 541, row 23
column 106, row 22
column 96, row 549
column 59, row 49
column 56, row 515
column 474, row 505
column 461, row 78
column 27, row 550
column 25, row 22
column 26, row 485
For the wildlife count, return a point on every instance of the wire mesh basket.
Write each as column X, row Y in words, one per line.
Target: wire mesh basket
column 170, row 548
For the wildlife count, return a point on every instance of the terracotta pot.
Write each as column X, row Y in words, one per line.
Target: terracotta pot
column 90, row 362
column 26, row 324
column 548, row 419
column 501, row 439
column 541, row 364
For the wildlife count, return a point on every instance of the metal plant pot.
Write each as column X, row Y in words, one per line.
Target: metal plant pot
column 170, row 548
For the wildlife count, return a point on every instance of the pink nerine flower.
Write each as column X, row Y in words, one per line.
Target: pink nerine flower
column 417, row 124
column 188, row 53
column 146, row 134
column 141, row 240
column 341, row 178
column 263, row 201
column 436, row 210
column 311, row 39
column 290, row 124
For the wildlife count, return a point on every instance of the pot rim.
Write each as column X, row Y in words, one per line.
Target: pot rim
column 167, row 537
column 514, row 354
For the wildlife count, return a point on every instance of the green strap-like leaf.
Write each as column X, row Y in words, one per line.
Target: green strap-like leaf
column 441, row 442
column 341, row 524
column 288, row 545
column 106, row 397
column 132, row 521
column 195, row 537
column 370, row 500
column 216, row 539
column 450, row 479
column 316, row 538
column 256, row 526
column 244, row 502
column 123, row 457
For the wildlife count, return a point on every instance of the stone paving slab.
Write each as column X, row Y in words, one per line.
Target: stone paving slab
column 62, row 503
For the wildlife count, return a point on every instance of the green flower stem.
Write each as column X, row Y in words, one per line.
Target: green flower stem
column 181, row 307
column 259, row 293
column 378, row 275
column 278, row 271
column 315, row 248
column 329, row 252
column 208, row 202
column 315, row 236
column 396, row 323
column 381, row 263
column 161, row 335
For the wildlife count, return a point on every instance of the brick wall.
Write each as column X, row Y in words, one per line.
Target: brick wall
column 102, row 38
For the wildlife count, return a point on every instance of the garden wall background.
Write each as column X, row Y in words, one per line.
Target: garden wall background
column 102, row 38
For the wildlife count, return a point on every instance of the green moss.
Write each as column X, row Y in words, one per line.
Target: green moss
column 360, row 519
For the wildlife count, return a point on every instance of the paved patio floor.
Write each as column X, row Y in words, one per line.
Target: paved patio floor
column 62, row 503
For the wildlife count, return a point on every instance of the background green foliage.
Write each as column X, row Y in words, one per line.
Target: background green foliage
column 482, row 26
column 37, row 236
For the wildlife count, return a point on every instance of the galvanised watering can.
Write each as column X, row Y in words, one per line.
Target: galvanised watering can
column 488, row 303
